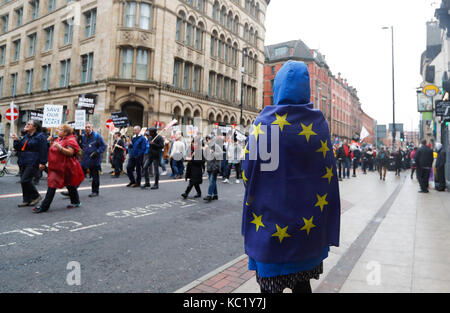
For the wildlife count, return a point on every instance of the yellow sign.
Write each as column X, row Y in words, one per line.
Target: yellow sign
column 430, row 90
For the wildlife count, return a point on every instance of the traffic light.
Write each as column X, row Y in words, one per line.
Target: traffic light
column 402, row 137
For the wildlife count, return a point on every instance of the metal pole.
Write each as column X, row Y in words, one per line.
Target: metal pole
column 393, row 91
column 242, row 85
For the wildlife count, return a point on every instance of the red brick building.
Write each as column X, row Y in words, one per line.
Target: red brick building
column 337, row 100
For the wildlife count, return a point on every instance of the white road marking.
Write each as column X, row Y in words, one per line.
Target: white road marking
column 87, row 227
column 8, row 244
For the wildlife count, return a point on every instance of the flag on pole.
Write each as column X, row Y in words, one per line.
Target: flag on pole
column 170, row 125
column 364, row 134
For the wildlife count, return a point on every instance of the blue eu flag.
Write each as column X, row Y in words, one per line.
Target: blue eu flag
column 291, row 213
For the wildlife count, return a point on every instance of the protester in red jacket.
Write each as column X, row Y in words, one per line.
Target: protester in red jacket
column 64, row 169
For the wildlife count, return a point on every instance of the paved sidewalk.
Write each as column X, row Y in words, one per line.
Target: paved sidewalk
column 393, row 239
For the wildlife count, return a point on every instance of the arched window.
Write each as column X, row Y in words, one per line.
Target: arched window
column 223, row 12
column 200, row 30
column 234, row 55
column 229, row 52
column 214, row 43
column 190, row 32
column 215, row 12
column 251, row 35
column 252, row 8
column 229, row 19
column 221, row 51
column 236, row 25
column 246, row 32
column 256, row 39
column 180, row 30
column 250, row 63
column 257, row 12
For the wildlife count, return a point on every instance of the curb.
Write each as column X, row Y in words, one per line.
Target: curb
column 224, row 279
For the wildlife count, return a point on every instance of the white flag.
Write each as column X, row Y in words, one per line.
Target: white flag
column 364, row 134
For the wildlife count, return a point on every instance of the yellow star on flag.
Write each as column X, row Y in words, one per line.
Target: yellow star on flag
column 246, row 150
column 257, row 221
column 321, row 201
column 329, row 174
column 281, row 121
column 308, row 225
column 245, row 179
column 324, row 148
column 281, row 233
column 256, row 131
column 307, row 131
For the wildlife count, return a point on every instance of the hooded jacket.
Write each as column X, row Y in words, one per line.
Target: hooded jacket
column 292, row 212
column 33, row 150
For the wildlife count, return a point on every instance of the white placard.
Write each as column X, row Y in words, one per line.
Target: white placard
column 80, row 119
column 52, row 115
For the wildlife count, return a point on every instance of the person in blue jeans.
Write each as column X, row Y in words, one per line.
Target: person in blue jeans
column 213, row 155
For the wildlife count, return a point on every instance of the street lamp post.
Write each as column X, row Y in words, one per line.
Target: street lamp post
column 244, row 52
column 393, row 88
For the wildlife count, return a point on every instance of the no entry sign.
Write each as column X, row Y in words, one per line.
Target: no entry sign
column 12, row 116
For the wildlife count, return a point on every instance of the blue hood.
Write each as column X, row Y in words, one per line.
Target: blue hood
column 292, row 85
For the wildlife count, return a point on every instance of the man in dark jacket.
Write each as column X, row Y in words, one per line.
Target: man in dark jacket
column 33, row 156
column 424, row 161
column 440, row 183
column 93, row 146
column 156, row 143
column 117, row 151
column 136, row 151
column 356, row 158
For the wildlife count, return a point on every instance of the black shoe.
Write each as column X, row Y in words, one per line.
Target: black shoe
column 135, row 185
column 65, row 194
column 197, row 196
column 184, row 195
column 145, row 186
column 130, row 184
column 94, row 194
column 154, row 187
column 208, row 198
column 39, row 209
column 215, row 197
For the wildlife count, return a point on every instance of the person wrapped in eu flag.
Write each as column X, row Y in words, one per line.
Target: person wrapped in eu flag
column 291, row 213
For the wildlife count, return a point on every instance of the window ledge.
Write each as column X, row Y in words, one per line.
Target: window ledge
column 45, row 53
column 87, row 40
column 66, row 47
column 14, row 63
column 30, row 58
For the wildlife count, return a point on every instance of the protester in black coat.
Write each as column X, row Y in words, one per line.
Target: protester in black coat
column 33, row 156
column 440, row 182
column 156, row 143
column 424, row 161
column 398, row 162
column 194, row 170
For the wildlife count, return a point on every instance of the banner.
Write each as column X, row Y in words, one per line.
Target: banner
column 52, row 115
column 87, row 102
column 37, row 116
column 80, row 119
column 120, row 119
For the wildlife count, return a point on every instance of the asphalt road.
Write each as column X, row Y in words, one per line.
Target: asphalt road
column 125, row 240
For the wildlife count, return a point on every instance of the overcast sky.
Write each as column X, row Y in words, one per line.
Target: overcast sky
column 349, row 33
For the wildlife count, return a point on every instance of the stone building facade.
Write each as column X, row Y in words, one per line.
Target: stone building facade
column 156, row 60
column 338, row 101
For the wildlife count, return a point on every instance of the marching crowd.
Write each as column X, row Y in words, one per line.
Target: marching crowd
column 419, row 160
column 69, row 156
